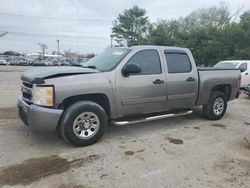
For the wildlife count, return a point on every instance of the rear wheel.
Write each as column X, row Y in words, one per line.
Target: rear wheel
column 216, row 106
column 83, row 123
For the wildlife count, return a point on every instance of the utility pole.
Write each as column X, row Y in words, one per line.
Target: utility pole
column 78, row 56
column 112, row 37
column 77, row 46
column 139, row 34
column 57, row 46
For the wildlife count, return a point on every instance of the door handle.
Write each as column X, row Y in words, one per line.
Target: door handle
column 190, row 79
column 158, row 81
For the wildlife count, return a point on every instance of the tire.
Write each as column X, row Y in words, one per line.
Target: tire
column 83, row 123
column 210, row 110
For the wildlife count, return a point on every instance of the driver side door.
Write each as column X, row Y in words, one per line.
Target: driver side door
column 144, row 92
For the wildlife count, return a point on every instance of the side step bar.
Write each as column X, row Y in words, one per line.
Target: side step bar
column 152, row 118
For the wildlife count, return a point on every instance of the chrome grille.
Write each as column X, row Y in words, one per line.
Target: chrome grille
column 27, row 92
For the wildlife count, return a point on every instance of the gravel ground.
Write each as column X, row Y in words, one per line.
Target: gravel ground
column 178, row 152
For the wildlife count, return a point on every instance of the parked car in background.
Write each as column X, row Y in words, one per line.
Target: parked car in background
column 48, row 63
column 34, row 62
column 24, row 63
column 14, row 63
column 3, row 62
column 67, row 63
column 57, row 63
column 247, row 90
column 242, row 65
column 76, row 64
column 37, row 63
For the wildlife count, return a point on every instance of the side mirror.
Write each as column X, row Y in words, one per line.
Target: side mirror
column 131, row 69
column 242, row 69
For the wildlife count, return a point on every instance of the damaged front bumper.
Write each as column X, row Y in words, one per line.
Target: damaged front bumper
column 38, row 117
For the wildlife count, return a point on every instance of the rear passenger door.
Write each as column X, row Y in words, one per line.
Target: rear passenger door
column 182, row 79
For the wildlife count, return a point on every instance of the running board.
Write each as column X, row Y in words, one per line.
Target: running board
column 152, row 118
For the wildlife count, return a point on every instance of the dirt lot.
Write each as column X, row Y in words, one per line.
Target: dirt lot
column 179, row 152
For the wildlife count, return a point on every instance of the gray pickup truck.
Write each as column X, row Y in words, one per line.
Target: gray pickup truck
column 122, row 86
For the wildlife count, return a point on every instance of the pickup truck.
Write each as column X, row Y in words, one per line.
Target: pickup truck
column 122, row 86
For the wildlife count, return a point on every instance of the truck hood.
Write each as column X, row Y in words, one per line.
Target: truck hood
column 38, row 75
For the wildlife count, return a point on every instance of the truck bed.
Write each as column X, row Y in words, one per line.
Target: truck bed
column 211, row 77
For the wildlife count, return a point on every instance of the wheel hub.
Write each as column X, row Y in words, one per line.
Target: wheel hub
column 86, row 125
column 218, row 106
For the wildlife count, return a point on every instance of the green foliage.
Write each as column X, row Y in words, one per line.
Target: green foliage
column 164, row 33
column 211, row 34
column 208, row 33
column 131, row 27
column 13, row 53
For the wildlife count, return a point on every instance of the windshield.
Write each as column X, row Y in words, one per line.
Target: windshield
column 107, row 60
column 226, row 65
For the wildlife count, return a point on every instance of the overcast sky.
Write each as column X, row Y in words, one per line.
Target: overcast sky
column 86, row 23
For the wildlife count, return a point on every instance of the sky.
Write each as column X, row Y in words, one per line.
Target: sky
column 82, row 25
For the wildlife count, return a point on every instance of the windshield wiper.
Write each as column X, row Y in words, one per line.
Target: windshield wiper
column 90, row 67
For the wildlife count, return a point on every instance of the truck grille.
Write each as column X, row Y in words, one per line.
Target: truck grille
column 27, row 92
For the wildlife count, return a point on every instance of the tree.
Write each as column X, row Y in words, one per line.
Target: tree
column 165, row 33
column 207, row 17
column 43, row 47
column 131, row 27
column 245, row 16
column 212, row 34
column 244, row 25
column 12, row 53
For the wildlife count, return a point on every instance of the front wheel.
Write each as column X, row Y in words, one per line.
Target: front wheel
column 83, row 123
column 216, row 106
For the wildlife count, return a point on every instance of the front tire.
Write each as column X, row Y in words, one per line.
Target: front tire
column 83, row 123
column 216, row 106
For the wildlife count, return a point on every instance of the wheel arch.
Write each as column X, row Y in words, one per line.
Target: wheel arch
column 98, row 98
column 224, row 88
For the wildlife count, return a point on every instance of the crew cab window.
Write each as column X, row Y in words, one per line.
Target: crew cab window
column 178, row 63
column 243, row 67
column 148, row 60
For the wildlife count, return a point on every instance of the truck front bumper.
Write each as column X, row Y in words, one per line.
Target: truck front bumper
column 38, row 117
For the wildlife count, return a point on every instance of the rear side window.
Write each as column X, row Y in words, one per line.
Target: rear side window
column 148, row 60
column 178, row 63
column 243, row 67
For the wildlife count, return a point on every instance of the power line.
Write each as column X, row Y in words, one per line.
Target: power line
column 42, row 29
column 2, row 34
column 56, row 18
column 17, row 33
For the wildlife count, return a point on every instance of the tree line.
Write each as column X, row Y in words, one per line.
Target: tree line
column 212, row 34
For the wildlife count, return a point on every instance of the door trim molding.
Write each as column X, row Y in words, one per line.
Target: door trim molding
column 181, row 96
column 126, row 102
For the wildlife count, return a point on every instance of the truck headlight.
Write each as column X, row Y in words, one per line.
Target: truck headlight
column 43, row 95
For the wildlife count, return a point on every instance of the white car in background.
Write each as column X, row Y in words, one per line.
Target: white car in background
column 242, row 65
column 48, row 63
column 3, row 62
